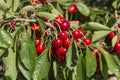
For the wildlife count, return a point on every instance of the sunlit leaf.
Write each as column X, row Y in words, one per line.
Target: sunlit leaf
column 90, row 63
column 9, row 61
column 6, row 39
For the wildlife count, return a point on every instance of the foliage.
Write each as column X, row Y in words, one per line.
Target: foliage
column 32, row 48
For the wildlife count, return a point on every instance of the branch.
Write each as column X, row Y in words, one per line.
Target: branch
column 27, row 20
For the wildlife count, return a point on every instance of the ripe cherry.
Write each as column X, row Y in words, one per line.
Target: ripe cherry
column 72, row 9
column 61, row 58
column 111, row 35
column 59, row 19
column 34, row 1
column 37, row 42
column 77, row 34
column 94, row 54
column 87, row 41
column 42, row 1
column 40, row 49
column 52, row 50
column 66, row 43
column 61, row 51
column 117, row 47
column 78, row 22
column 12, row 23
column 118, row 25
column 57, row 43
column 35, row 27
column 63, row 35
column 65, row 25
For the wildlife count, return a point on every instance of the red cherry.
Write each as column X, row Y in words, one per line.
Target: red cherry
column 37, row 42
column 34, row 1
column 12, row 23
column 87, row 41
column 65, row 25
column 61, row 51
column 78, row 22
column 111, row 35
column 52, row 50
column 42, row 1
column 118, row 25
column 57, row 43
column 40, row 49
column 72, row 9
column 117, row 47
column 94, row 54
column 35, row 27
column 59, row 19
column 77, row 34
column 61, row 58
column 45, row 19
column 66, row 43
column 63, row 35
column 81, row 31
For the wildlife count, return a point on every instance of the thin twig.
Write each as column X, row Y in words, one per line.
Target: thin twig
column 26, row 20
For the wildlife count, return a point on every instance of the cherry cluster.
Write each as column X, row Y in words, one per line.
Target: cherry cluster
column 111, row 35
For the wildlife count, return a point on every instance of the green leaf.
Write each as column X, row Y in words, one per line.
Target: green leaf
column 112, row 66
column 6, row 39
column 115, row 4
column 24, row 71
column 80, row 69
column 42, row 25
column 98, row 12
column 64, row 2
column 83, row 9
column 13, row 4
column 27, row 8
column 114, row 40
column 9, row 61
column 90, row 63
column 94, row 26
column 98, row 35
column 3, row 5
column 50, row 16
column 116, row 59
column 103, row 67
column 28, row 52
column 42, row 65
column 71, row 55
column 74, row 24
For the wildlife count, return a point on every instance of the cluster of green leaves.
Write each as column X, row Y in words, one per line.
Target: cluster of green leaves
column 19, row 56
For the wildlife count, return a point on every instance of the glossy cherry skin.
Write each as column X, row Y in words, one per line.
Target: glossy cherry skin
column 61, row 51
column 12, row 23
column 57, row 43
column 34, row 1
column 60, row 58
column 66, row 43
column 87, row 41
column 117, row 47
column 78, row 22
column 65, row 25
column 59, row 19
column 111, row 35
column 42, row 1
column 118, row 25
column 40, row 49
column 72, row 9
column 63, row 35
column 37, row 42
column 77, row 34
column 35, row 27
